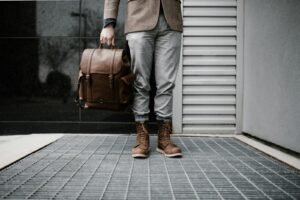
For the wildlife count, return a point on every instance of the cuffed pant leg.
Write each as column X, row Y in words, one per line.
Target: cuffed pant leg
column 141, row 46
column 167, row 56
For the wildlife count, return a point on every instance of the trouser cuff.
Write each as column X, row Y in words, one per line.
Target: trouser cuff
column 141, row 118
column 159, row 118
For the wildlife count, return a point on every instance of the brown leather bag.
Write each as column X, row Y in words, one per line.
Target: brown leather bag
column 105, row 79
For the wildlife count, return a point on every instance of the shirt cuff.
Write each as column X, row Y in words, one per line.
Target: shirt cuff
column 109, row 21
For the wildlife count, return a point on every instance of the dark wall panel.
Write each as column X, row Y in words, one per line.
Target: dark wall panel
column 40, row 47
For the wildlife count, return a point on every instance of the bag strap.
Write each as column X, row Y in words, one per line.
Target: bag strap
column 90, row 63
column 87, row 77
column 111, row 70
column 77, row 99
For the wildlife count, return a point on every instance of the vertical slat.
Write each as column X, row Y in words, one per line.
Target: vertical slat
column 240, row 66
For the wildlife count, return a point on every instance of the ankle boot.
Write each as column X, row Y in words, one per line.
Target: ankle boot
column 164, row 143
column 141, row 149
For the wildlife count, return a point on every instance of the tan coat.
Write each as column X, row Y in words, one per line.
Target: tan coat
column 142, row 15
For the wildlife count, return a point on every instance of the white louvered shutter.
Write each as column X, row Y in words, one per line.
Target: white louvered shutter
column 209, row 66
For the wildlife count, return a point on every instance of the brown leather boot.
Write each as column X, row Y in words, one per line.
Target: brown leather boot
column 141, row 149
column 164, row 143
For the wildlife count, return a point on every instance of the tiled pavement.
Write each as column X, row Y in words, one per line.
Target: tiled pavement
column 101, row 167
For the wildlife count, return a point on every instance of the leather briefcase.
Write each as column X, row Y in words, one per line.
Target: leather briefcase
column 105, row 79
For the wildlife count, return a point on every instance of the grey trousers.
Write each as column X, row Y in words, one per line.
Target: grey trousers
column 161, row 46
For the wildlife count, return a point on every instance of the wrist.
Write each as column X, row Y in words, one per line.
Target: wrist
column 109, row 26
column 109, row 22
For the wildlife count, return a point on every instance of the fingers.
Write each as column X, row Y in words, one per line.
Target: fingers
column 103, row 39
column 113, row 42
column 108, row 41
column 107, row 36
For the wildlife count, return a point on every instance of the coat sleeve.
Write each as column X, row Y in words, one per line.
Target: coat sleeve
column 111, row 8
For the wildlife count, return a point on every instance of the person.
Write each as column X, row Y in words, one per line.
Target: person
column 153, row 30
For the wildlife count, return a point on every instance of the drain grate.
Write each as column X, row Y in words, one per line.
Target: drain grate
column 101, row 167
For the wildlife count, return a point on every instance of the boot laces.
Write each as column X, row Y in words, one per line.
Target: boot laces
column 165, row 131
column 142, row 134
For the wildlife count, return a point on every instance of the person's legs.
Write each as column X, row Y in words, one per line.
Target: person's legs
column 167, row 55
column 141, row 45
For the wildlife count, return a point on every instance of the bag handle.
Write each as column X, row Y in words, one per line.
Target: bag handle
column 101, row 46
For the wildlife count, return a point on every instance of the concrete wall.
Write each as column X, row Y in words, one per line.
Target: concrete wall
column 272, row 71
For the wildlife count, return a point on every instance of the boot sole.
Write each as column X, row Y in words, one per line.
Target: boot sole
column 139, row 155
column 168, row 155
